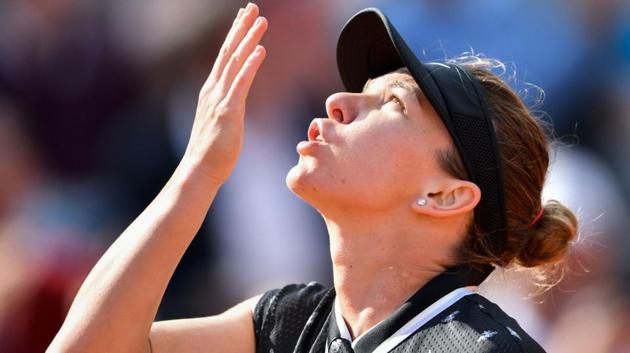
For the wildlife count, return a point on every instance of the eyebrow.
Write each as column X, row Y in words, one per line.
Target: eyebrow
column 404, row 84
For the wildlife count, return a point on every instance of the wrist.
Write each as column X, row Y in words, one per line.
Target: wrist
column 196, row 170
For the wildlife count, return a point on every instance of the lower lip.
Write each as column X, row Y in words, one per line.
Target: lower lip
column 306, row 146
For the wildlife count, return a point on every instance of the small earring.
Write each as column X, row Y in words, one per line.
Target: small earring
column 421, row 202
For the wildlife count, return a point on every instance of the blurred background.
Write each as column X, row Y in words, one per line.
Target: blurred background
column 97, row 100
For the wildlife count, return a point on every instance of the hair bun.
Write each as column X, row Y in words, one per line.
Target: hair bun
column 549, row 238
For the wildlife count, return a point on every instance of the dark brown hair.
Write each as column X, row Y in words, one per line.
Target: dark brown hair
column 524, row 148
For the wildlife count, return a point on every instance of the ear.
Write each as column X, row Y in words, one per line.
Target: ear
column 449, row 197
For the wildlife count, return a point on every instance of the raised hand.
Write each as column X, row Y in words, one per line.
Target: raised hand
column 127, row 283
column 217, row 133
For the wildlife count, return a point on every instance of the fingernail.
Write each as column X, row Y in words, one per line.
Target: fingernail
column 249, row 6
column 258, row 21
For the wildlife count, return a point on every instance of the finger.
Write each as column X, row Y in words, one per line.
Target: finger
column 244, row 79
column 243, row 51
column 219, row 61
column 242, row 23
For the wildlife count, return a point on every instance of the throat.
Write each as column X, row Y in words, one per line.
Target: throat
column 379, row 263
column 368, row 293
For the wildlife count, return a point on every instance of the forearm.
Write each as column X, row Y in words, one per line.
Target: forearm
column 118, row 301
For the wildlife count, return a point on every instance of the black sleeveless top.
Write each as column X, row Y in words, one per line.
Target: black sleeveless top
column 301, row 319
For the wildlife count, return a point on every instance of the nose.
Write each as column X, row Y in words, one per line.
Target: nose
column 343, row 107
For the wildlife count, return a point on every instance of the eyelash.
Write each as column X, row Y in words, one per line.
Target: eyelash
column 397, row 100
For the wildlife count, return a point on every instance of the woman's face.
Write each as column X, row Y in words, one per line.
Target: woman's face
column 377, row 149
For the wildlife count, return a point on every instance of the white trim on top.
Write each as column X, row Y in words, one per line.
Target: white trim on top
column 411, row 326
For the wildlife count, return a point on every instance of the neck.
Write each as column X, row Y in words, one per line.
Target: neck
column 379, row 261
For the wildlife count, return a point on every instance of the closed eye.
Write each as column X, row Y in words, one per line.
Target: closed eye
column 397, row 100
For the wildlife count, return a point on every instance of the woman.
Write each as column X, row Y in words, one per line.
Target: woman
column 426, row 176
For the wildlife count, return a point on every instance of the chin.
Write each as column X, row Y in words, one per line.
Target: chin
column 300, row 179
column 308, row 183
column 318, row 187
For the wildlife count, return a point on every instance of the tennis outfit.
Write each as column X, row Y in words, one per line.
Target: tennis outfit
column 445, row 315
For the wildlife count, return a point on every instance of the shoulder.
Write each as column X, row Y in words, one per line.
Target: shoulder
column 281, row 314
column 293, row 298
column 484, row 325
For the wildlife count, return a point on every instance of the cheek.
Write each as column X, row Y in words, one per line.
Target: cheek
column 386, row 161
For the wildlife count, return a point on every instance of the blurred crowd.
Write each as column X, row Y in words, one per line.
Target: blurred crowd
column 97, row 100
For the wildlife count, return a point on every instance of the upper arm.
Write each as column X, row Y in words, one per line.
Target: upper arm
column 232, row 331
